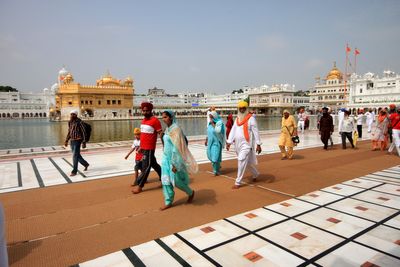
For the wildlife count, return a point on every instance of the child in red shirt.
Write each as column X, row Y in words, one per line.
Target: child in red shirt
column 139, row 155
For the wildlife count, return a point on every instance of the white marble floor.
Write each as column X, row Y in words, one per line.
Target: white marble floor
column 107, row 160
column 354, row 223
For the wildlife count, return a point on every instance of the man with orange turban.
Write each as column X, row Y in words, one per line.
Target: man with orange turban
column 244, row 134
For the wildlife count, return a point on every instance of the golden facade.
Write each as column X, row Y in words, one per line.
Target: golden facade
column 108, row 99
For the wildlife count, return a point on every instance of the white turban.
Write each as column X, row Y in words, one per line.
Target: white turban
column 74, row 112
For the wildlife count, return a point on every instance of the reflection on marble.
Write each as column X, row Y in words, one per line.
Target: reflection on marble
column 362, row 183
column 353, row 254
column 389, row 188
column 383, row 238
column 335, row 222
column 320, row 198
column 291, row 207
column 394, row 222
column 383, row 179
column 255, row 219
column 151, row 254
column 362, row 209
column 342, row 189
column 222, row 231
column 252, row 251
column 380, row 198
column 185, row 252
column 300, row 238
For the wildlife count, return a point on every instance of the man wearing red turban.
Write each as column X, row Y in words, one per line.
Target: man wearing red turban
column 149, row 128
column 148, row 105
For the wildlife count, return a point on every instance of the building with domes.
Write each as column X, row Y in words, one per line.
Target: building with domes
column 110, row 98
column 330, row 91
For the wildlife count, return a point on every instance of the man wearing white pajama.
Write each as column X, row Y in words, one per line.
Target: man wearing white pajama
column 244, row 134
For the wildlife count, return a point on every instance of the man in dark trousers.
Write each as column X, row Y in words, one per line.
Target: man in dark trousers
column 325, row 127
column 77, row 134
column 150, row 128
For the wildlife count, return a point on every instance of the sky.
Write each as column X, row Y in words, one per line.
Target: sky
column 212, row 46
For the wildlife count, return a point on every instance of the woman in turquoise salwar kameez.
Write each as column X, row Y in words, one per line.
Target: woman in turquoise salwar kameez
column 215, row 141
column 177, row 161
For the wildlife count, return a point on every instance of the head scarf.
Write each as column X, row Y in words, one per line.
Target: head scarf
column 172, row 114
column 74, row 112
column 230, row 117
column 392, row 106
column 382, row 115
column 136, row 131
column 179, row 141
column 215, row 115
column 243, row 104
column 286, row 111
column 146, row 104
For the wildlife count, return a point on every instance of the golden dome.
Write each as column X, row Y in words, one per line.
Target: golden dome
column 108, row 80
column 68, row 78
column 334, row 73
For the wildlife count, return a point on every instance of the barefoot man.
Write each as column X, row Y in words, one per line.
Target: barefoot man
column 244, row 134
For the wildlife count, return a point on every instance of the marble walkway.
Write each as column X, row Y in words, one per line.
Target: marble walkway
column 48, row 166
column 354, row 223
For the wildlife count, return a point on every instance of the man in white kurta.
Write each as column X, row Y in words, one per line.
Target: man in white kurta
column 370, row 119
column 244, row 134
column 340, row 118
column 301, row 118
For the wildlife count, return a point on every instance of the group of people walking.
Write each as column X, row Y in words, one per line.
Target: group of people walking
column 178, row 162
column 386, row 130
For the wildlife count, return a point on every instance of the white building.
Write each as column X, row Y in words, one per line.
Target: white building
column 371, row 91
column 26, row 105
column 329, row 92
column 273, row 100
column 263, row 100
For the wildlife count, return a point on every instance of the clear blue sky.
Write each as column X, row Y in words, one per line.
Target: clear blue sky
column 212, row 46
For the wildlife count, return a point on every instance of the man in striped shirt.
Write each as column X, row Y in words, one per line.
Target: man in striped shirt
column 76, row 133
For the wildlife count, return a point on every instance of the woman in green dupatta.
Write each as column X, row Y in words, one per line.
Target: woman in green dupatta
column 215, row 141
column 177, row 161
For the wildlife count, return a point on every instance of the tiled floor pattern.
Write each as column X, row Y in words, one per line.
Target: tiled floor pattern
column 54, row 169
column 355, row 223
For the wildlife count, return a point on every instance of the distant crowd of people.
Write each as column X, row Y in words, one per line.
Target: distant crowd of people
column 384, row 128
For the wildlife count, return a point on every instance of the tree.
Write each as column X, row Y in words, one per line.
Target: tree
column 7, row 89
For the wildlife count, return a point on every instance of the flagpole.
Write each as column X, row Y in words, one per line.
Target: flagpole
column 345, row 73
column 355, row 60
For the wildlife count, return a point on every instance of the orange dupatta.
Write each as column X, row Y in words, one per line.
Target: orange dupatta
column 245, row 127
